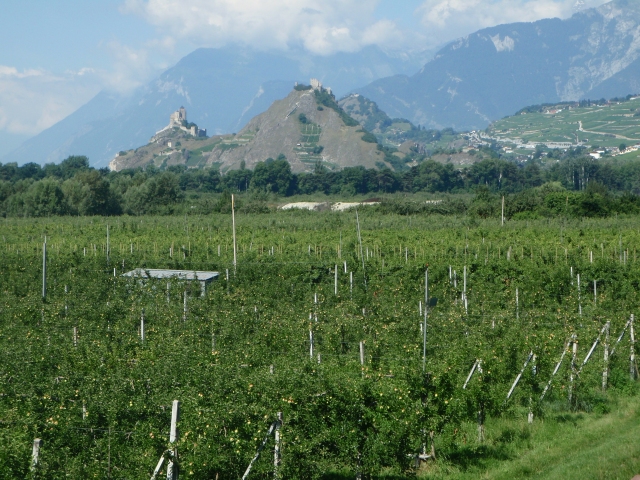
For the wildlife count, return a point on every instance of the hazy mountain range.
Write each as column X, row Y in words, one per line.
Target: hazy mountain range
column 494, row 72
column 468, row 83
column 222, row 89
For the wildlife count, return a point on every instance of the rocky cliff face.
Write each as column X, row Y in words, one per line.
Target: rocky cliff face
column 496, row 71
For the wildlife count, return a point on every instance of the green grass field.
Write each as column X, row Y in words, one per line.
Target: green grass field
column 562, row 445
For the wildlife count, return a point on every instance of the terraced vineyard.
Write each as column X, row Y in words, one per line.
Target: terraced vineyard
column 308, row 150
column 312, row 323
column 606, row 126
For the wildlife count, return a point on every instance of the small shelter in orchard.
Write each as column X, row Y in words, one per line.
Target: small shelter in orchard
column 187, row 275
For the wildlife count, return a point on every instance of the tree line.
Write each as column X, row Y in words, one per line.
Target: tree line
column 74, row 188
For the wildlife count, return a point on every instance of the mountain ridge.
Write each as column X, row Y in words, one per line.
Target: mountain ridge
column 223, row 89
column 307, row 127
column 469, row 83
column 495, row 71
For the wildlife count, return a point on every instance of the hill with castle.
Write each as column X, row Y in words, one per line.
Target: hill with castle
column 307, row 127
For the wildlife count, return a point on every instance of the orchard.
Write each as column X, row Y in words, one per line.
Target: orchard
column 323, row 317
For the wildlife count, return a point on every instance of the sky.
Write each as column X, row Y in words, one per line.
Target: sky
column 56, row 56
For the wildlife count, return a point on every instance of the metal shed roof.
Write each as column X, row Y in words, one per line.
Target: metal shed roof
column 198, row 275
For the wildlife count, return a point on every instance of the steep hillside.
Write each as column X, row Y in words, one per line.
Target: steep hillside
column 606, row 124
column 222, row 88
column 366, row 113
column 496, row 71
column 399, row 133
column 306, row 127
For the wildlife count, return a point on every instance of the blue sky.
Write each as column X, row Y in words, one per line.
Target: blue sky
column 56, row 56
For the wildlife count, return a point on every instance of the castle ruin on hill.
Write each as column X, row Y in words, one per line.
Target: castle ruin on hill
column 178, row 119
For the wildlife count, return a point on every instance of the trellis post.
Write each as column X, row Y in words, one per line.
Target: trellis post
column 107, row 244
column 35, row 455
column 233, row 220
column 172, row 466
column 579, row 302
column 351, row 284
column 361, row 353
column 184, row 307
column 633, row 369
column 572, row 376
column 44, row 269
column 361, row 256
column 424, row 327
column 276, row 451
column 142, row 326
column 464, row 292
column 605, row 371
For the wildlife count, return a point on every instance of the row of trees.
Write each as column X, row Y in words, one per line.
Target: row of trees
column 74, row 188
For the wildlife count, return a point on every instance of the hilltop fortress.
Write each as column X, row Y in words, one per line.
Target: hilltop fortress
column 178, row 119
column 166, row 140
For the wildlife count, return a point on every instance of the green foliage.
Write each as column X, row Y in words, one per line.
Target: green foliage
column 158, row 193
column 340, row 416
column 375, row 119
column 227, row 146
column 576, row 186
column 328, row 100
column 369, row 137
column 44, row 198
column 272, row 176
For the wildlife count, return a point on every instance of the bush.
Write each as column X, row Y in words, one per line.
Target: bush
column 369, row 137
column 324, row 98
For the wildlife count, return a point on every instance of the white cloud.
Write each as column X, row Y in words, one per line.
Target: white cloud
column 130, row 67
column 7, row 72
column 33, row 100
column 321, row 27
column 448, row 19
